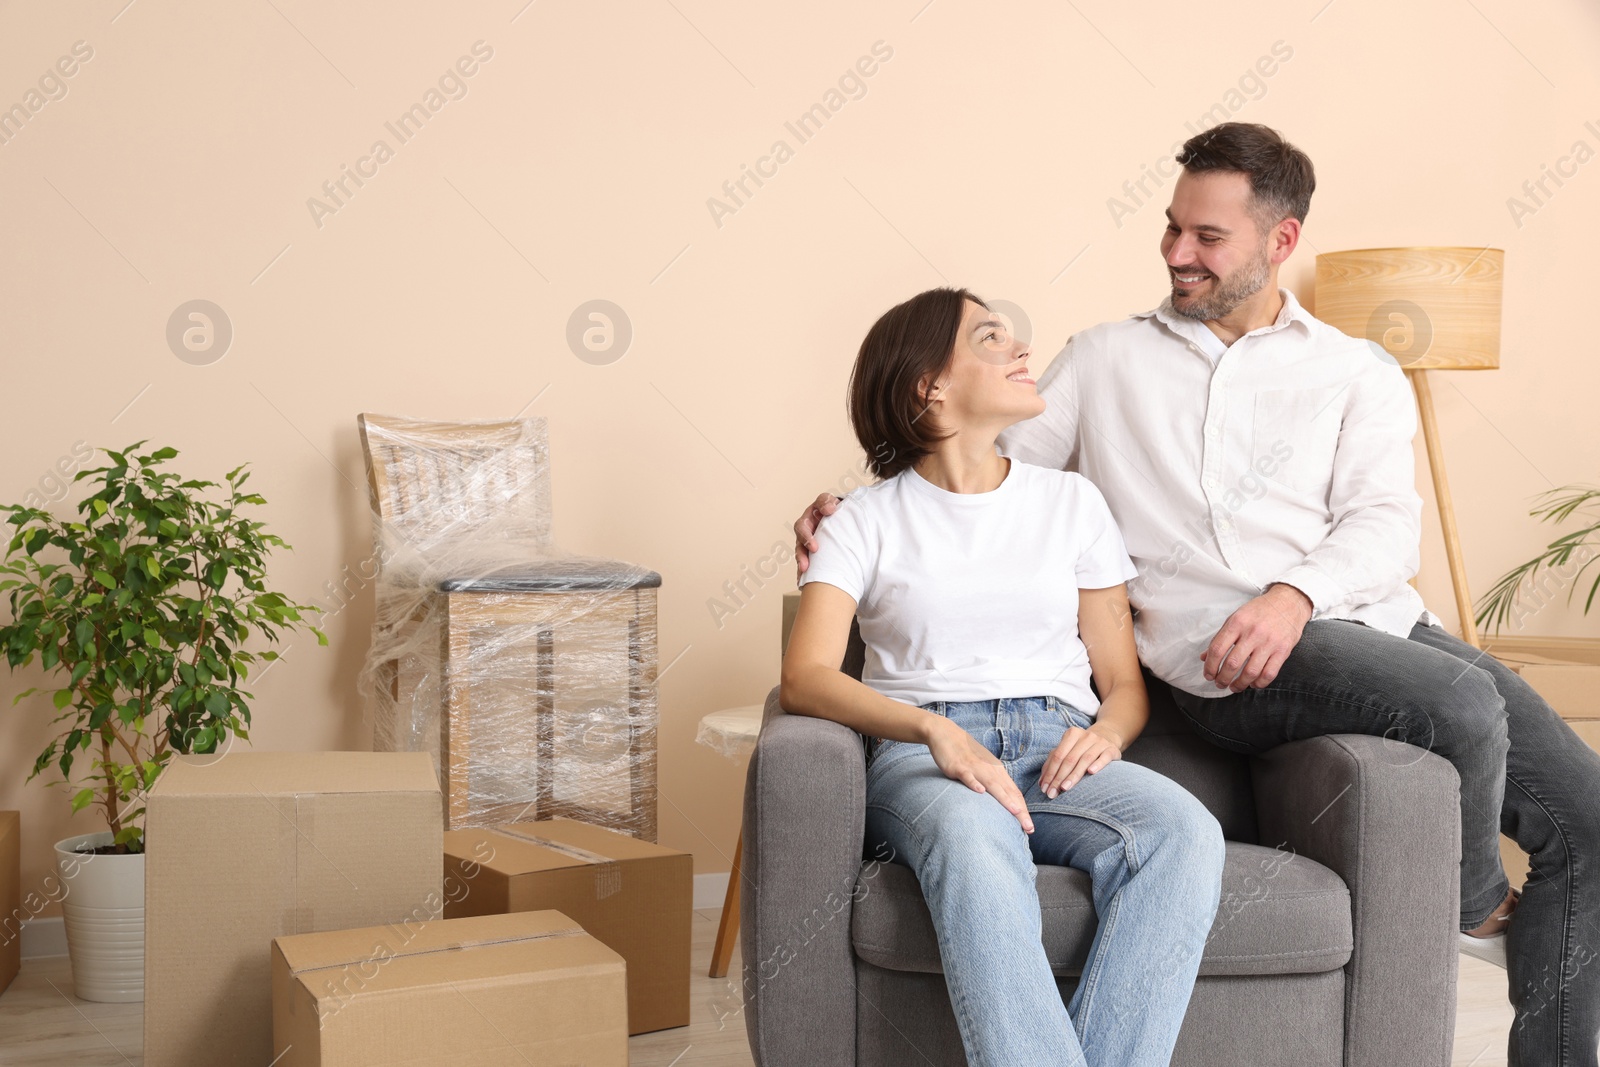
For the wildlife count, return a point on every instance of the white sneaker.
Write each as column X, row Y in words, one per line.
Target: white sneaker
column 1488, row 949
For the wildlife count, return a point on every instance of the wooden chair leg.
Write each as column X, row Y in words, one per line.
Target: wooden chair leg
column 728, row 927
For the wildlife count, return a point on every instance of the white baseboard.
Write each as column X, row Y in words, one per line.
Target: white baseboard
column 45, row 937
column 709, row 890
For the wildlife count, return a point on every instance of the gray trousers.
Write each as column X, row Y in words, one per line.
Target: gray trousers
column 1524, row 773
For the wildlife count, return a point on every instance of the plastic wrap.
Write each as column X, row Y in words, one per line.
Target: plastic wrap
column 731, row 732
column 527, row 672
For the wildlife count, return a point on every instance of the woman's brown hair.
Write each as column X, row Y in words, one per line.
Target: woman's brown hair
column 909, row 342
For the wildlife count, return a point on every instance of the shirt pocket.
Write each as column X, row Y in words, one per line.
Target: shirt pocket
column 1296, row 433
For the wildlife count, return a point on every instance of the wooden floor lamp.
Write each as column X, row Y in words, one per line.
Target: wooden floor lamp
column 1428, row 309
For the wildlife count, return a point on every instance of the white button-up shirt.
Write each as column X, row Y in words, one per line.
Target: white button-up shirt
column 1284, row 457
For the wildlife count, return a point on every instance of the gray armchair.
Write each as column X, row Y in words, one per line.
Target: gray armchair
column 1335, row 943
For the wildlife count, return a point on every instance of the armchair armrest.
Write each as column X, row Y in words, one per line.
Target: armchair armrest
column 804, row 822
column 1385, row 817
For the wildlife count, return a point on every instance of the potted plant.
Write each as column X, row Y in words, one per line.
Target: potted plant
column 1564, row 559
column 139, row 610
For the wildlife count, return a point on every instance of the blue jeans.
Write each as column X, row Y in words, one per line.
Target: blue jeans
column 1152, row 851
column 1523, row 770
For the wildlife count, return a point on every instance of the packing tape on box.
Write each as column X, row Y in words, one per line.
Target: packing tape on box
column 608, row 872
column 295, row 913
column 454, row 946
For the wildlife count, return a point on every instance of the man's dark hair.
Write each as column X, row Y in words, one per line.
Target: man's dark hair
column 910, row 341
column 1281, row 177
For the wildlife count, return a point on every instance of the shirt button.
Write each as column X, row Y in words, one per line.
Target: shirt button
column 1211, row 483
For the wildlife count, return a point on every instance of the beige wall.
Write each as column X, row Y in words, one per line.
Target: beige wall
column 578, row 166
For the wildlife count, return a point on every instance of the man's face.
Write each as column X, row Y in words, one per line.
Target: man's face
column 1217, row 257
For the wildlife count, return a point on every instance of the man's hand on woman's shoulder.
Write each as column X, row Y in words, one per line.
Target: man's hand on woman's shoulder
column 805, row 528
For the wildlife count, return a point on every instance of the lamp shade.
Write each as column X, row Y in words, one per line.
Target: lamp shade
column 1429, row 308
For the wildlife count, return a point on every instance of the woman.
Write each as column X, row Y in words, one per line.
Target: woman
column 989, row 592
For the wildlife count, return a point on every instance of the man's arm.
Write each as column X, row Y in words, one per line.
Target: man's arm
column 1372, row 548
column 1050, row 439
column 1376, row 510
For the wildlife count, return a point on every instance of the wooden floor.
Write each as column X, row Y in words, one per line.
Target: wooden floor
column 43, row 1025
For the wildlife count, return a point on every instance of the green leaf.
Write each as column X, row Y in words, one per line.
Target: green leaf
column 134, row 604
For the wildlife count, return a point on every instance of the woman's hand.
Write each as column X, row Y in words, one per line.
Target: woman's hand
column 1080, row 752
column 962, row 759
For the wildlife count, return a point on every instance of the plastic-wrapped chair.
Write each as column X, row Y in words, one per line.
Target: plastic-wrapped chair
column 529, row 673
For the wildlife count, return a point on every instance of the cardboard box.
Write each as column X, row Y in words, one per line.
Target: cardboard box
column 12, row 913
column 1570, row 686
column 256, row 845
column 529, row 987
column 634, row 896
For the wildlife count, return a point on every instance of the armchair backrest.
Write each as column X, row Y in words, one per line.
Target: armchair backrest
column 1219, row 779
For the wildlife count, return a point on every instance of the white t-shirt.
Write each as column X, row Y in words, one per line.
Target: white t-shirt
column 973, row 596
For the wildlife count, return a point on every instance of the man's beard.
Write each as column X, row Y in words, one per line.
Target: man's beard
column 1229, row 293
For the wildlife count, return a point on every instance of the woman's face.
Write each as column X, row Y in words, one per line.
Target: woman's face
column 987, row 380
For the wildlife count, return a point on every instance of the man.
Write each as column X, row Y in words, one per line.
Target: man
column 1259, row 463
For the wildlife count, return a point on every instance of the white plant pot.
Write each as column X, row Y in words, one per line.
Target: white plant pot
column 104, row 908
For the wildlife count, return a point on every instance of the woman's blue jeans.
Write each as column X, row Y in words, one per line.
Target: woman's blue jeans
column 1152, row 851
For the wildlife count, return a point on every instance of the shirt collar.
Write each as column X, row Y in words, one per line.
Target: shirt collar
column 1186, row 328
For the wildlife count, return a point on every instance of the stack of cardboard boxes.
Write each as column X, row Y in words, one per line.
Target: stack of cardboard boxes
column 302, row 909
column 632, row 895
column 1566, row 672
